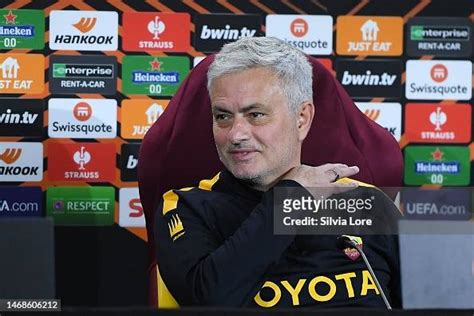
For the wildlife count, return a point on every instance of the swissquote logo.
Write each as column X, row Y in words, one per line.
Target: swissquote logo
column 130, row 208
column 438, row 123
column 439, row 36
column 129, row 162
column 82, row 118
column 19, row 73
column 214, row 30
column 167, row 32
column 388, row 115
column 438, row 79
column 369, row 35
column 439, row 73
column 81, row 162
column 21, row 117
column 82, row 111
column 310, row 33
column 139, row 115
column 21, row 161
column 368, row 79
column 83, row 30
column 298, row 27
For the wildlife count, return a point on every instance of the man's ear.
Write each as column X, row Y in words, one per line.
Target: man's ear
column 305, row 119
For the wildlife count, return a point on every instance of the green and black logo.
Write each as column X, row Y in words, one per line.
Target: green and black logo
column 83, row 74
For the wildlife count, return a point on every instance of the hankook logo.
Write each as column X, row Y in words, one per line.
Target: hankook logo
column 372, row 114
column 21, row 161
column 386, row 114
column 89, row 30
column 85, row 24
column 10, row 155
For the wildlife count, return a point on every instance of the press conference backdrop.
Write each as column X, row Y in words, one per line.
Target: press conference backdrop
column 82, row 81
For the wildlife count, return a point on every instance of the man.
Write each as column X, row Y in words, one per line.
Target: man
column 216, row 243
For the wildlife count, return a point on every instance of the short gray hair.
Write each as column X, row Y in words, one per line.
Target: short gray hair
column 289, row 64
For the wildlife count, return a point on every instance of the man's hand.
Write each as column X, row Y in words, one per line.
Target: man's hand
column 323, row 177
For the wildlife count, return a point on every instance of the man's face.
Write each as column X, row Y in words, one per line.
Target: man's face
column 255, row 133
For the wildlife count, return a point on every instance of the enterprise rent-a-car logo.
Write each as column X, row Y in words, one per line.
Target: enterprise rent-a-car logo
column 83, row 74
column 83, row 30
column 438, row 80
column 450, row 37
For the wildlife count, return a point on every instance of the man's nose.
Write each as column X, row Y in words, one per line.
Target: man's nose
column 240, row 131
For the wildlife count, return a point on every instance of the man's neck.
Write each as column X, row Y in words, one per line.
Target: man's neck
column 270, row 184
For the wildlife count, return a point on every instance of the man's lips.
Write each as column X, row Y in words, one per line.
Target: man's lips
column 242, row 154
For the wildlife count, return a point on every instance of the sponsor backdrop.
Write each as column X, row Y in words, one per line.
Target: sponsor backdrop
column 82, row 82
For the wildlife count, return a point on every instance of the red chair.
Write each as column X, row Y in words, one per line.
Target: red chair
column 179, row 148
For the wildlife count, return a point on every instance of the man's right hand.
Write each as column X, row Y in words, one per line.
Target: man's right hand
column 323, row 178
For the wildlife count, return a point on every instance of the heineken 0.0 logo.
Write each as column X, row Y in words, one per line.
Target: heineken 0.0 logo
column 441, row 165
column 21, row 29
column 160, row 76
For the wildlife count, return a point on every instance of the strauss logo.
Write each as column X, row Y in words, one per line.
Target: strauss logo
column 82, row 157
column 438, row 118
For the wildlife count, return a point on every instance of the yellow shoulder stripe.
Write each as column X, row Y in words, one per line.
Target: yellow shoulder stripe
column 208, row 183
column 170, row 198
column 349, row 180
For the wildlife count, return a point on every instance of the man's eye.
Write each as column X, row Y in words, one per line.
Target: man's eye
column 257, row 114
column 221, row 117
